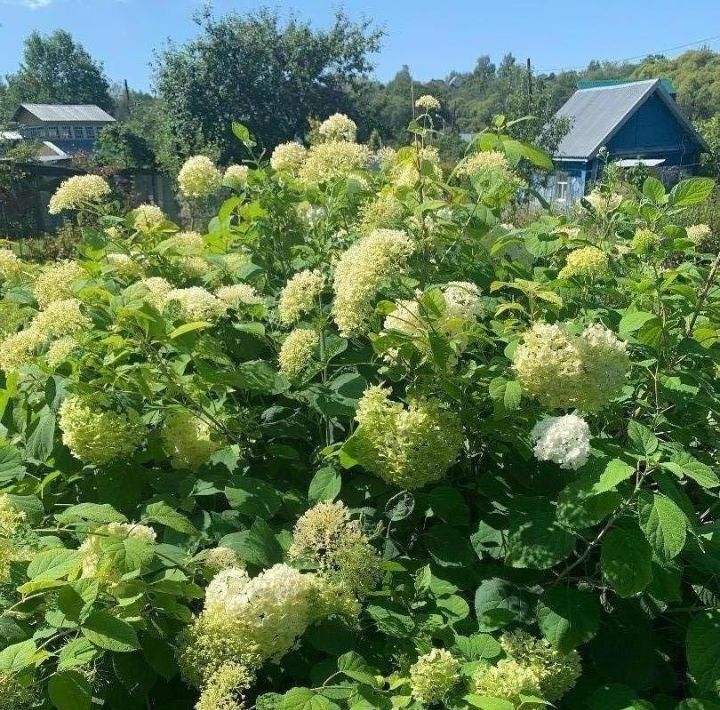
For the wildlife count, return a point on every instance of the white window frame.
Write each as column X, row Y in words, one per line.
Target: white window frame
column 562, row 186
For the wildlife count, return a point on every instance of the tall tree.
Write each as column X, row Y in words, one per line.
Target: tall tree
column 56, row 69
column 255, row 68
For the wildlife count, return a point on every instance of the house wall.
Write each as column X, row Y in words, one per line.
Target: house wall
column 653, row 131
column 574, row 174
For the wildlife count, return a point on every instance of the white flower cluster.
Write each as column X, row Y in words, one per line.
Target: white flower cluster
column 300, row 295
column 360, row 272
column 236, row 176
column 462, row 300
column 78, row 191
column 427, row 103
column 338, row 128
column 147, row 217
column 288, row 158
column 239, row 295
column 563, row 440
column 297, row 351
column 199, row 178
column 195, row 303
column 187, row 440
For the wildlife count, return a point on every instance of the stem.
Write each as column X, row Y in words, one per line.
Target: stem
column 703, row 294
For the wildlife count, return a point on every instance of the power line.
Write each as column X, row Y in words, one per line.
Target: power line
column 637, row 56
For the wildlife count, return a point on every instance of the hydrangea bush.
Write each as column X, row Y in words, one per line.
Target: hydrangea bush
column 360, row 443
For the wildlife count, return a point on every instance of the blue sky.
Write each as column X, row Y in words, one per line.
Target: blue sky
column 432, row 37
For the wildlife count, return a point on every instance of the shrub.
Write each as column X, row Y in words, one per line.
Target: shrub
column 335, row 456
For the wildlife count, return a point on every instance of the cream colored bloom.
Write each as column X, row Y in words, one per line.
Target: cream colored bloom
column 199, row 178
column 604, row 202
column 433, row 676
column 77, row 192
column 56, row 282
column 288, row 158
column 10, row 266
column 239, row 295
column 147, row 217
column 588, row 262
column 297, row 351
column 195, row 303
column 188, row 440
column 427, row 103
column 699, row 233
column 334, row 160
column 236, row 176
column 360, row 272
column 338, row 128
column 300, row 295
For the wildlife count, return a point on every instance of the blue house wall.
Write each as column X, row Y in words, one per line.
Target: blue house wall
column 653, row 131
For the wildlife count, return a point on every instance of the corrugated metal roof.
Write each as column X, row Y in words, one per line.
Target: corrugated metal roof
column 68, row 113
column 596, row 113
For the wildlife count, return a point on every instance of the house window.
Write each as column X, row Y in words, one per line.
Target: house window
column 66, row 132
column 90, row 132
column 53, row 132
column 78, row 133
column 37, row 132
column 561, row 187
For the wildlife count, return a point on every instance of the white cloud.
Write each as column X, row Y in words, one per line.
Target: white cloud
column 32, row 4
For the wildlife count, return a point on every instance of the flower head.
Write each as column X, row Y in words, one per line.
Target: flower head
column 433, row 676
column 338, row 128
column 333, row 161
column 406, row 446
column 239, row 295
column 329, row 539
column 224, row 688
column 187, row 440
column 589, row 262
column 77, row 192
column 98, row 436
column 60, row 350
column 385, row 211
column 195, row 303
column 563, row 440
column 360, row 272
column 147, row 217
column 427, row 103
column 60, row 318
column 300, row 295
column 156, row 288
column 56, row 282
column 297, row 351
column 698, row 233
column 462, row 300
column 199, row 178
column 124, row 265
column 288, row 158
column 644, row 241
column 11, row 267
column 570, row 371
column 236, row 176
column 604, row 202
column 219, row 559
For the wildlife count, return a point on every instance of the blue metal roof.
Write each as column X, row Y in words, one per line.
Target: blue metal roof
column 598, row 113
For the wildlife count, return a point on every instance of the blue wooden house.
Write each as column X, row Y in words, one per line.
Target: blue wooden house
column 636, row 122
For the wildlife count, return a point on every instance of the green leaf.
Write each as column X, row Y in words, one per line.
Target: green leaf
column 615, row 472
column 691, row 192
column 535, row 539
column 448, row 547
column 625, row 560
column 166, row 515
column 664, row 525
column 487, row 703
column 633, row 320
column 497, row 603
column 258, row 546
column 568, row 617
column 17, row 656
column 644, row 440
column 703, row 650
column 100, row 513
column 189, row 328
column 70, row 690
column 448, row 504
column 42, row 440
column 53, row 564
column 76, row 599
column 478, row 647
column 354, row 666
column 160, row 656
column 109, row 632
column 242, row 133
column 683, row 464
column 305, row 699
column 78, row 652
column 654, row 190
column 11, row 465
column 325, row 485
column 253, row 497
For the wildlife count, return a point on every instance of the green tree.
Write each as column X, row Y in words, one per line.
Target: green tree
column 121, row 147
column 256, row 68
column 56, row 69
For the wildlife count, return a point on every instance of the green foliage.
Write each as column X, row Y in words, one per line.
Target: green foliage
column 414, row 515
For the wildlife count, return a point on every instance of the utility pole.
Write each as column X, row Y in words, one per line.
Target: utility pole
column 127, row 96
column 530, row 85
